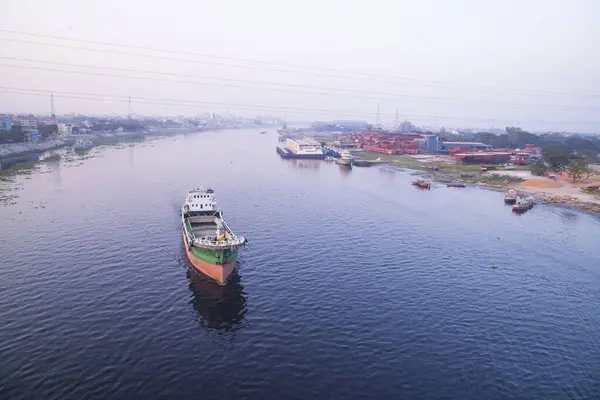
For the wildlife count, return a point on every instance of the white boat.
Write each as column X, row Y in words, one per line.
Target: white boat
column 304, row 148
column 523, row 205
column 346, row 158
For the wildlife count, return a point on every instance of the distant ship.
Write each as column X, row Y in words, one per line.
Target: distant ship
column 82, row 144
column 210, row 244
column 346, row 158
column 263, row 133
column 301, row 148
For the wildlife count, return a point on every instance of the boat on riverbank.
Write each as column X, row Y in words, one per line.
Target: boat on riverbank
column 456, row 185
column 82, row 145
column 301, row 148
column 510, row 197
column 210, row 245
column 346, row 158
column 421, row 184
column 523, row 205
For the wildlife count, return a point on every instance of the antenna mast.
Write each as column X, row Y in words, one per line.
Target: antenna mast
column 52, row 110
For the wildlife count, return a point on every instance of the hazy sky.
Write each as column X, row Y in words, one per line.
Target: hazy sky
column 452, row 63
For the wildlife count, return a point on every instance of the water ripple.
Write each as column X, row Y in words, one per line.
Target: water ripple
column 353, row 285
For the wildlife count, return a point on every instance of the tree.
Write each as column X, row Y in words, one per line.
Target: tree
column 538, row 168
column 578, row 170
column 557, row 156
column 47, row 130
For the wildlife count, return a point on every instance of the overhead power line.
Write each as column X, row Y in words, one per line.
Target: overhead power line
column 250, row 107
column 354, row 74
column 347, row 92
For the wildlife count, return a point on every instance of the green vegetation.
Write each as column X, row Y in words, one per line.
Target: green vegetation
column 54, row 157
column 24, row 168
column 493, row 179
column 538, row 168
column 409, row 162
column 593, row 190
column 587, row 147
column 557, row 156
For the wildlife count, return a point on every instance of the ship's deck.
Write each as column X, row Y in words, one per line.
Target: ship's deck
column 203, row 229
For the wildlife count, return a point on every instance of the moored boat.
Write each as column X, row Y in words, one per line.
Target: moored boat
column 422, row 184
column 456, row 185
column 82, row 144
column 510, row 197
column 346, row 158
column 523, row 205
column 301, row 148
column 210, row 244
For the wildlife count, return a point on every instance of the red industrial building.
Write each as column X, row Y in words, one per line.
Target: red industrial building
column 385, row 142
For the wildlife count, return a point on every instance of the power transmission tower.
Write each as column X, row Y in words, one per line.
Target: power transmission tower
column 397, row 122
column 129, row 109
column 52, row 110
column 378, row 120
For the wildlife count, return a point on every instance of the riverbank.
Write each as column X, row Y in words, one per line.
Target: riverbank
column 26, row 153
column 545, row 190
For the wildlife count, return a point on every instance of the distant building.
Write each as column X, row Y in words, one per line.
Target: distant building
column 431, row 144
column 406, row 127
column 28, row 123
column 5, row 123
column 350, row 125
column 32, row 135
column 29, row 127
column 64, row 129
column 454, row 147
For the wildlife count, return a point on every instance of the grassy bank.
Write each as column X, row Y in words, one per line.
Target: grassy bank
column 405, row 161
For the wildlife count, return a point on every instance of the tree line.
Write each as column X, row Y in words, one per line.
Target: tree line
column 572, row 154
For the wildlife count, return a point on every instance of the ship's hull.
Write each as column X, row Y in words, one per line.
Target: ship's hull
column 343, row 161
column 510, row 200
column 284, row 153
column 215, row 264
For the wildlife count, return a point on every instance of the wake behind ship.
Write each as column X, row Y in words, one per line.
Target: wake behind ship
column 210, row 244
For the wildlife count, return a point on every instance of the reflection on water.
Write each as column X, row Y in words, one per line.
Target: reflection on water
column 345, row 169
column 217, row 307
column 56, row 174
column 304, row 164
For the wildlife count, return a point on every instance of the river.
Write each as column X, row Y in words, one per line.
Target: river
column 354, row 284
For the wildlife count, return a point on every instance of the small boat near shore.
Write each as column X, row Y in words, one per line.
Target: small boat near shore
column 210, row 245
column 422, row 184
column 263, row 133
column 523, row 205
column 82, row 145
column 346, row 158
column 510, row 197
column 456, row 185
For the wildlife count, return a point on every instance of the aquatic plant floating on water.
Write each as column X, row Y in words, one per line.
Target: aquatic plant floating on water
column 494, row 266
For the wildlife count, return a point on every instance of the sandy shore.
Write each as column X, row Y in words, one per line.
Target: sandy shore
column 561, row 191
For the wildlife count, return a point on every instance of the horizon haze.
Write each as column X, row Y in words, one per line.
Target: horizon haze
column 477, row 64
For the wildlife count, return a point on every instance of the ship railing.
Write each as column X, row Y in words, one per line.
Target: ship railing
column 222, row 243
